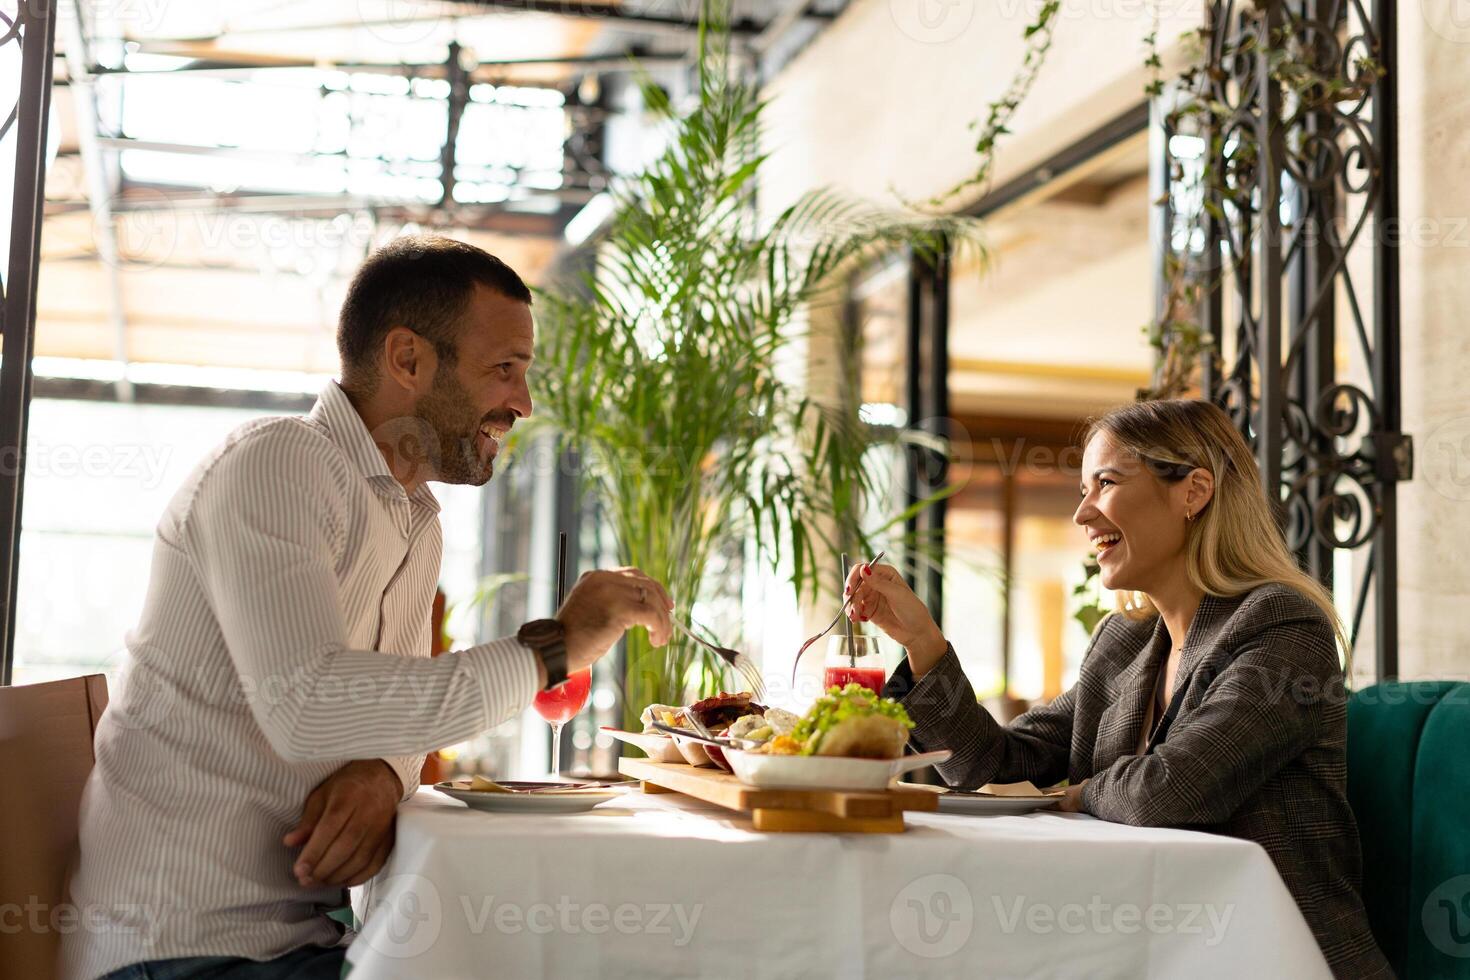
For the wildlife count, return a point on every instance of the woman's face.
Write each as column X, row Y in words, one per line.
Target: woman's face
column 1134, row 521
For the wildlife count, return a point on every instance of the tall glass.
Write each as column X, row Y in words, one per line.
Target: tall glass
column 559, row 705
column 855, row 661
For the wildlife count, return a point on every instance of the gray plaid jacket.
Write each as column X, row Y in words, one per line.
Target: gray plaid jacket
column 1256, row 749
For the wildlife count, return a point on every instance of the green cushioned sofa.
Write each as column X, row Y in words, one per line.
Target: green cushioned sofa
column 1409, row 785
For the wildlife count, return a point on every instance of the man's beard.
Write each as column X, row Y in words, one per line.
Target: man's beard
column 446, row 409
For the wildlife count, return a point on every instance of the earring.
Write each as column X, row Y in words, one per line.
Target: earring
column 1188, row 516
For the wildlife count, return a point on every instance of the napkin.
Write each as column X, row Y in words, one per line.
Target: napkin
column 1024, row 788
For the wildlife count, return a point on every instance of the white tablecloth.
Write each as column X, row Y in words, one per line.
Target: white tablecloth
column 664, row 886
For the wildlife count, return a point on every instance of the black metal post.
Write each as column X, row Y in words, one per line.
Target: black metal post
column 1312, row 319
column 18, row 311
column 1395, row 455
column 938, row 410
column 1271, row 146
column 927, row 397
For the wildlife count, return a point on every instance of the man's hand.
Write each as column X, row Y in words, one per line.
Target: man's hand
column 605, row 604
column 346, row 825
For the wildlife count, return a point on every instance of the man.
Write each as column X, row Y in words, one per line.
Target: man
column 278, row 697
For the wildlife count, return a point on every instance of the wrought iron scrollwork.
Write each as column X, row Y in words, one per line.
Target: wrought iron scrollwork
column 1302, row 141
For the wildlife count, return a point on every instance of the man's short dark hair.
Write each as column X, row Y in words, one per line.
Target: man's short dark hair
column 423, row 282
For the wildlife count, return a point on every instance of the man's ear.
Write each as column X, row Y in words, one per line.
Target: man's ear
column 1201, row 483
column 408, row 360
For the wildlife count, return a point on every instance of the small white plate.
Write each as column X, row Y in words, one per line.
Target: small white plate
column 658, row 747
column 825, row 772
column 570, row 802
column 994, row 806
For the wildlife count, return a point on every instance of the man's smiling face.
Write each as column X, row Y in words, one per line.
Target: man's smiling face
column 476, row 398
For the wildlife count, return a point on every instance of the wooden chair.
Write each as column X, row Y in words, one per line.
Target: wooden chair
column 46, row 755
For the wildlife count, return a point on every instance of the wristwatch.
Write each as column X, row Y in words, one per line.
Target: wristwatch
column 547, row 638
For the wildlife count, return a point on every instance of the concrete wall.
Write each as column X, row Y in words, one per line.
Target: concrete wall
column 882, row 99
column 1434, row 509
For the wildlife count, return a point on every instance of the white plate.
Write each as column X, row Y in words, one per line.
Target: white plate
column 573, row 802
column 825, row 772
column 659, row 747
column 696, row 753
column 994, row 806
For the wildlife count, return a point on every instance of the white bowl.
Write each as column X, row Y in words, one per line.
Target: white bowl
column 825, row 772
column 693, row 752
column 657, row 746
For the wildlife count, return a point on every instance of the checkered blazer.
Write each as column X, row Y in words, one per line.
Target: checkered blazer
column 1256, row 749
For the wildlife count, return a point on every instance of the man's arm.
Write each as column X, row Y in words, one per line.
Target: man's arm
column 407, row 769
column 264, row 531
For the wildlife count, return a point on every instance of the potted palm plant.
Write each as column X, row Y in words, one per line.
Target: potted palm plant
column 669, row 365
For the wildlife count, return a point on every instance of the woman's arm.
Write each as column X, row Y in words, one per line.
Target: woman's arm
column 1263, row 710
column 933, row 688
column 946, row 715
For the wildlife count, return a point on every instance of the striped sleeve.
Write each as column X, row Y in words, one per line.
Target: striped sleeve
column 264, row 532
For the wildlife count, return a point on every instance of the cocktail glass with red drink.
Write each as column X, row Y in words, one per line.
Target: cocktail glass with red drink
column 854, row 660
column 560, row 704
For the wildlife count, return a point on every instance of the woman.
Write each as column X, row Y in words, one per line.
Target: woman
column 1214, row 699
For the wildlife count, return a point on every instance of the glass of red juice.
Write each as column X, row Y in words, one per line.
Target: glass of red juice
column 559, row 705
column 854, row 660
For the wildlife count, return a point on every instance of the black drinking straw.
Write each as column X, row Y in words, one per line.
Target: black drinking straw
column 561, row 568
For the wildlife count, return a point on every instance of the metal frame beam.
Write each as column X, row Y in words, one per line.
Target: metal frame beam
column 148, row 393
column 619, row 14
column 1126, row 124
column 18, row 311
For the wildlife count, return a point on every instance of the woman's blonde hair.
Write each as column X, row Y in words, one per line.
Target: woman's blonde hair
column 1233, row 545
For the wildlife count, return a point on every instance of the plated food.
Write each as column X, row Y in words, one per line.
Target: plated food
column 849, row 722
column 726, row 715
column 851, row 738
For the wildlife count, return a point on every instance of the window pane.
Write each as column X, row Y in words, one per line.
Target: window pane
column 98, row 477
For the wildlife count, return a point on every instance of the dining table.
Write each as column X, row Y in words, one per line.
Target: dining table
column 663, row 885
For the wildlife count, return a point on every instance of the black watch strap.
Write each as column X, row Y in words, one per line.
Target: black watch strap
column 548, row 639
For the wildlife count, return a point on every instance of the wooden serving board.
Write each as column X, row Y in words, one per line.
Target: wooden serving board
column 828, row 810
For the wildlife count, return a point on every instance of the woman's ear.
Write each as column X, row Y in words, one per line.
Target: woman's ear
column 1200, row 490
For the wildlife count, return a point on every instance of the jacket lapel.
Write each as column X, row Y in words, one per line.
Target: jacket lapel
column 1200, row 649
column 1121, row 722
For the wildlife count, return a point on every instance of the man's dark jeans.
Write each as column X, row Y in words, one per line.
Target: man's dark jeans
column 307, row 963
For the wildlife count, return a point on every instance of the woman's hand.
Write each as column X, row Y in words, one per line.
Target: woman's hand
column 1072, row 802
column 880, row 596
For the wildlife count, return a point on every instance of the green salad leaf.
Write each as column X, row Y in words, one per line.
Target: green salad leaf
column 840, row 704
